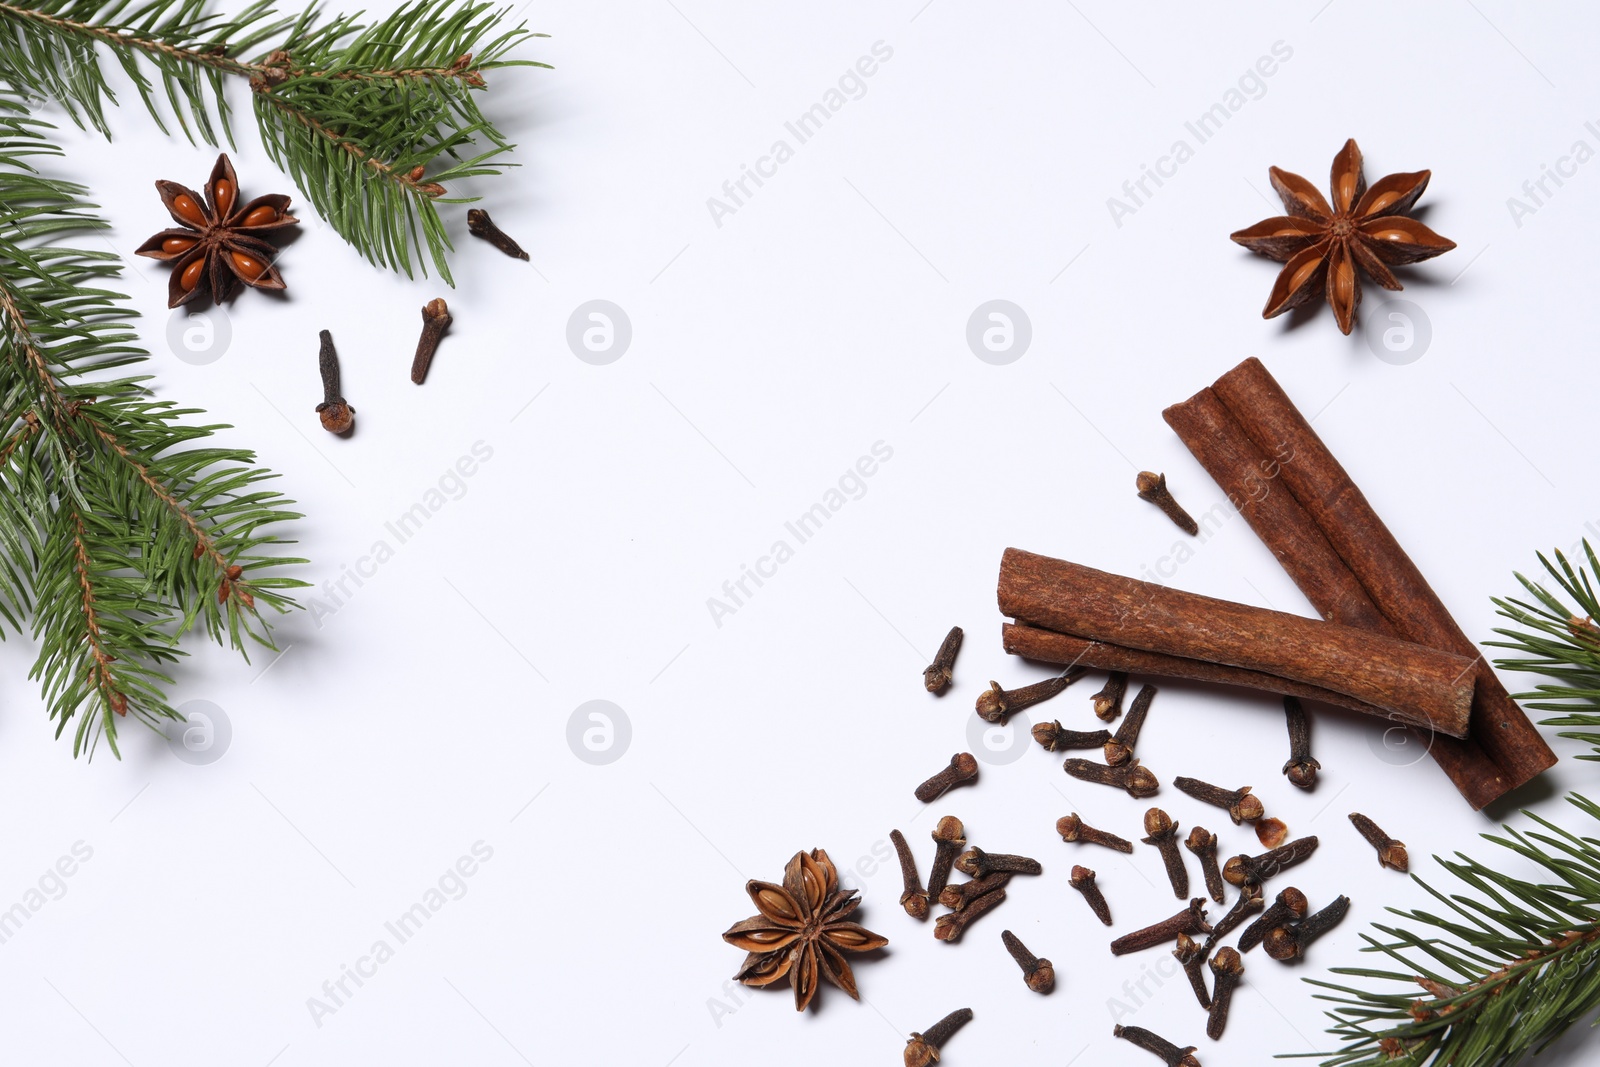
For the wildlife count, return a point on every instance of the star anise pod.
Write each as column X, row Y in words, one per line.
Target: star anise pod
column 1321, row 246
column 803, row 930
column 220, row 243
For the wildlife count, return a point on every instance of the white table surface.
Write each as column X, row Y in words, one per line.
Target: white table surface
column 427, row 711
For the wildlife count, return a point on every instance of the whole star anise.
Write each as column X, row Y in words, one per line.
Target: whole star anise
column 802, row 931
column 1321, row 246
column 220, row 243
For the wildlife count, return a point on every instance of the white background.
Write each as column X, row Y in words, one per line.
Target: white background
column 430, row 710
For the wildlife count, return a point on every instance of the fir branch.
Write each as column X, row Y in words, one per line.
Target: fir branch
column 119, row 528
column 372, row 122
column 1507, row 968
column 1559, row 642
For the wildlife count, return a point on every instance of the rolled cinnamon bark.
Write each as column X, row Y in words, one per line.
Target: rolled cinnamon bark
column 1419, row 685
column 1047, row 646
column 1372, row 554
column 1251, row 479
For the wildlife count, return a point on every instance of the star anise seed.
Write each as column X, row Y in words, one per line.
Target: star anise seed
column 220, row 243
column 1321, row 246
column 803, row 930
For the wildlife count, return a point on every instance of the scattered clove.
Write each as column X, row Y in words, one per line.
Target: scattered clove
column 1289, row 906
column 1290, row 942
column 1240, row 804
column 1073, row 828
column 479, row 224
column 1053, row 737
column 963, row 768
column 1391, row 853
column 996, row 704
column 949, row 838
column 1271, row 832
column 951, row 927
column 936, row 676
column 957, row 897
column 1226, row 969
column 1120, row 748
column 915, row 898
column 1250, row 901
column 1170, row 1054
column 1153, row 487
column 1191, row 920
column 1192, row 958
column 1083, row 881
column 1301, row 769
column 1138, row 781
column 1203, row 843
column 337, row 416
column 1037, row 972
column 1162, row 832
column 1108, row 702
column 978, row 863
column 922, row 1050
column 1255, row 870
column 435, row 320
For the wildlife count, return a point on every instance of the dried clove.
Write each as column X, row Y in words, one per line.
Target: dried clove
column 949, row 838
column 1120, row 748
column 1255, row 870
column 1240, row 804
column 1083, row 881
column 963, row 768
column 1290, row 905
column 978, row 863
column 957, row 897
column 1301, row 769
column 1053, row 737
column 1271, row 832
column 1192, row 958
column 951, row 927
column 936, row 676
column 1073, row 828
column 915, row 898
column 1250, row 901
column 1391, row 853
column 1108, row 702
column 1170, row 1054
column 1290, row 942
column 1153, row 487
column 1037, row 972
column 996, row 704
column 435, row 320
column 1226, row 969
column 1162, row 832
column 1203, row 843
column 479, row 224
column 1191, row 920
column 1138, row 781
column 337, row 416
column 922, row 1049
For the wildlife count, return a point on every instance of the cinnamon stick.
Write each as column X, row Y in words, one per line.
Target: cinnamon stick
column 1372, row 554
column 1047, row 646
column 1250, row 477
column 1419, row 685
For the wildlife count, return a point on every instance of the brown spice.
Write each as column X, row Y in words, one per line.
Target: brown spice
column 337, row 416
column 1415, row 683
column 936, row 676
column 1138, row 782
column 1191, row 920
column 1170, row 1054
column 1300, row 768
column 1108, row 702
column 996, row 704
column 957, row 897
column 1226, row 969
column 1073, row 828
column 1120, row 748
column 963, row 768
column 1162, row 833
column 1391, row 853
column 1255, row 870
column 1083, row 881
column 922, row 1050
column 949, row 838
column 915, row 898
column 1192, row 958
column 1038, row 973
column 1153, row 487
column 1240, row 804
column 1053, row 737
column 435, row 320
column 1047, row 646
column 1203, row 843
column 1339, row 552
column 1285, row 943
column 479, row 224
column 951, row 927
